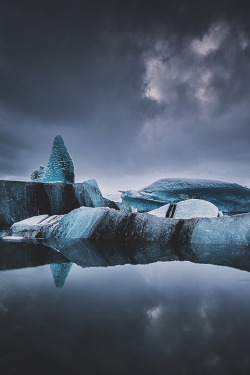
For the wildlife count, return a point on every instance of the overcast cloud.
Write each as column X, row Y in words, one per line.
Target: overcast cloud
column 138, row 90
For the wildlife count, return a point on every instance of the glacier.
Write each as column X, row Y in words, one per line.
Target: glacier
column 60, row 165
column 228, row 197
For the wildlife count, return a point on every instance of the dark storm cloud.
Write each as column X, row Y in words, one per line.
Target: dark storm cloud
column 126, row 84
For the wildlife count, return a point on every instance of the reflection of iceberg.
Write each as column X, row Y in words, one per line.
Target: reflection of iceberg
column 236, row 256
column 87, row 253
column 60, row 273
column 23, row 254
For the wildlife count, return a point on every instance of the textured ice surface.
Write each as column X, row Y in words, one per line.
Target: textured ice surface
column 195, row 208
column 187, row 209
column 92, row 182
column 161, row 211
column 60, row 166
column 222, row 230
column 36, row 226
column 20, row 200
column 103, row 223
column 228, row 197
column 38, row 174
column 109, row 224
column 92, row 194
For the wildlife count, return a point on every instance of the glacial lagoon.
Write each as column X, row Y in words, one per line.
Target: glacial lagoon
column 75, row 307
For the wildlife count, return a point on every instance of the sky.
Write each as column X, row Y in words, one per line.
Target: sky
column 139, row 90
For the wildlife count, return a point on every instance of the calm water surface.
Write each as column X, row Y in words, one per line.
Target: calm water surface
column 166, row 317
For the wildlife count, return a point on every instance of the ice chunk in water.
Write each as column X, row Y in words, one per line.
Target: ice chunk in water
column 228, row 197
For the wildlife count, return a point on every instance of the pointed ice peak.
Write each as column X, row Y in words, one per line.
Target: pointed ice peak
column 60, row 166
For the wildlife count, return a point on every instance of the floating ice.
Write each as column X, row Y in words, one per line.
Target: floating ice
column 92, row 194
column 36, row 226
column 187, row 209
column 60, row 166
column 103, row 223
column 38, row 174
column 228, row 197
column 161, row 211
column 195, row 208
column 231, row 230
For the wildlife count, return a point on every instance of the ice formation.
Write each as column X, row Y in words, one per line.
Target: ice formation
column 92, row 194
column 195, row 208
column 60, row 166
column 36, row 226
column 231, row 230
column 103, row 223
column 161, row 211
column 38, row 174
column 228, row 197
column 20, row 200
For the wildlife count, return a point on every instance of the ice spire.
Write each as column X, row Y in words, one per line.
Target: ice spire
column 60, row 166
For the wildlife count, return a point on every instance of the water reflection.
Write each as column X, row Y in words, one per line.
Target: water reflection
column 60, row 273
column 61, row 253
column 27, row 254
column 162, row 318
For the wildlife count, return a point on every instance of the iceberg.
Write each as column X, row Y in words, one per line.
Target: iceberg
column 93, row 197
column 163, row 211
column 99, row 223
column 187, row 209
column 195, row 208
column 92, row 194
column 107, row 224
column 60, row 166
column 38, row 174
column 38, row 225
column 20, row 200
column 231, row 230
column 228, row 197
